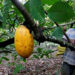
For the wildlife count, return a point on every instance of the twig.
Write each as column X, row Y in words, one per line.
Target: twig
column 5, row 51
column 70, row 23
column 63, row 32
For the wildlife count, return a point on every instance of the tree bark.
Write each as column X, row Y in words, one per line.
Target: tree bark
column 7, row 42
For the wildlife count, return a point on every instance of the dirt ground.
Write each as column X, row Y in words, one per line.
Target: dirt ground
column 42, row 66
column 50, row 66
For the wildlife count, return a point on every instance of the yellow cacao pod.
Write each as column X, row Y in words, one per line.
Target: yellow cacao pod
column 24, row 42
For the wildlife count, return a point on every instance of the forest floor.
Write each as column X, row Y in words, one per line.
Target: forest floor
column 42, row 66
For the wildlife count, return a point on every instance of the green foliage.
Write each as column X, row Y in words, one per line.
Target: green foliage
column 12, row 17
column 0, row 60
column 39, row 50
column 58, row 33
column 1, row 16
column 41, row 53
column 22, row 59
column 36, row 10
column 1, row 39
column 26, row 5
column 19, row 15
column 34, row 7
column 1, row 4
column 6, row 6
column 5, row 58
column 49, row 2
column 36, row 56
column 12, row 63
column 60, row 12
column 15, row 56
column 5, row 34
column 35, row 43
column 18, row 68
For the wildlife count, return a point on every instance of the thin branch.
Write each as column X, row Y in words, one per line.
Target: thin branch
column 49, row 28
column 68, row 23
column 63, row 32
column 5, row 51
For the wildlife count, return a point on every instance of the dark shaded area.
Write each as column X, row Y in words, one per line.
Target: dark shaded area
column 7, row 42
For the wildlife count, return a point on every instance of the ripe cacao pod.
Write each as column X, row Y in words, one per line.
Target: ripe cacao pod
column 24, row 42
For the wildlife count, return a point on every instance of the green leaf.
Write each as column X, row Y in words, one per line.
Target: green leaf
column 6, row 6
column 50, row 51
column 49, row 2
column 0, row 60
column 15, row 56
column 47, row 55
column 43, row 52
column 39, row 50
column 20, row 16
column 18, row 68
column 1, row 16
column 2, row 39
column 58, row 33
column 41, row 56
column 26, row 5
column 36, row 10
column 24, row 60
column 11, row 64
column 61, row 12
column 36, row 56
column 5, row 58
